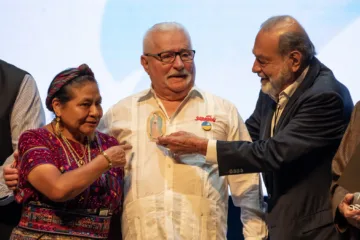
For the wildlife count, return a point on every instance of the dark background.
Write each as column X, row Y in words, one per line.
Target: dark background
column 234, row 223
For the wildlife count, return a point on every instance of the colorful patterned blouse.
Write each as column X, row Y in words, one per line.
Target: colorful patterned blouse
column 40, row 146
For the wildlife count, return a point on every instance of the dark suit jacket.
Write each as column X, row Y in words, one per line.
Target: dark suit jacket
column 349, row 143
column 296, row 161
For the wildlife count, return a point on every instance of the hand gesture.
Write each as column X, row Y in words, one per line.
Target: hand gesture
column 184, row 143
column 117, row 155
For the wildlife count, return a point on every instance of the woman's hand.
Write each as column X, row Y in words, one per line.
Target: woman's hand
column 117, row 155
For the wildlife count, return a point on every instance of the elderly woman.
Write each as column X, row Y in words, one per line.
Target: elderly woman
column 70, row 175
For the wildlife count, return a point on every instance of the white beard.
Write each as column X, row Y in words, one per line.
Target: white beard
column 269, row 89
column 273, row 86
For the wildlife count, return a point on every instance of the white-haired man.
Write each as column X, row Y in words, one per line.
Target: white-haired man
column 184, row 198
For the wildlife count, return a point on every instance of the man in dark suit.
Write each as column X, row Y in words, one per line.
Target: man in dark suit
column 296, row 127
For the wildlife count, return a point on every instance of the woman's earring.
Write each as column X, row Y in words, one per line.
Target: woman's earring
column 57, row 126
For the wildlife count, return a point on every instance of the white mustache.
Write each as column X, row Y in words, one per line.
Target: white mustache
column 179, row 74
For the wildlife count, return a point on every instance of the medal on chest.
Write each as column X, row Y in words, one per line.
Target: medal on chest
column 206, row 124
column 156, row 125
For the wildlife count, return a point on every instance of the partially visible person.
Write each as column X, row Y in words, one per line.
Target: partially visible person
column 297, row 125
column 165, row 199
column 347, row 221
column 20, row 110
column 70, row 175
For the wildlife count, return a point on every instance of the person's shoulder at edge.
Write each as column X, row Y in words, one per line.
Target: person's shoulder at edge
column 353, row 125
column 37, row 133
column 35, row 138
column 357, row 107
column 326, row 81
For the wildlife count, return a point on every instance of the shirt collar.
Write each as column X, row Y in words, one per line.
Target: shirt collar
column 194, row 91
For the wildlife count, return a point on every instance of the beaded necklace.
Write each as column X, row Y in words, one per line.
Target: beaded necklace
column 79, row 160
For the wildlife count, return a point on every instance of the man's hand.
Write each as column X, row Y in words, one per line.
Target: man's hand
column 181, row 143
column 352, row 216
column 11, row 174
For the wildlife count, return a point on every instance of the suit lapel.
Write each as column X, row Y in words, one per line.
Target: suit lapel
column 314, row 69
column 266, row 134
column 270, row 109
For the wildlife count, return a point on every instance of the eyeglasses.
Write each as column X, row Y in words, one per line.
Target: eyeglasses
column 169, row 56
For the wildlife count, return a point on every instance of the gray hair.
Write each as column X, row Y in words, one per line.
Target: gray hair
column 295, row 38
column 163, row 27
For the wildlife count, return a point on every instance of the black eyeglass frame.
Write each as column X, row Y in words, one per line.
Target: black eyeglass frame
column 158, row 55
